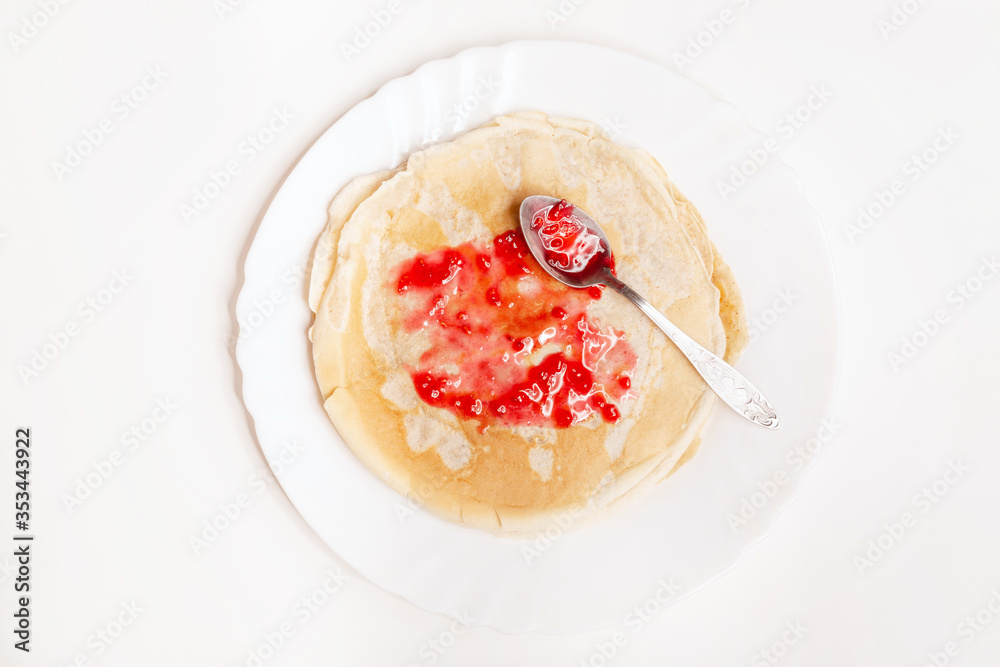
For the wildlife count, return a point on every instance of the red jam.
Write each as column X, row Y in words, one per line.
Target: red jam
column 509, row 344
column 569, row 245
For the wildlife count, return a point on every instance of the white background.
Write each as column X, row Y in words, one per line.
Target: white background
column 168, row 334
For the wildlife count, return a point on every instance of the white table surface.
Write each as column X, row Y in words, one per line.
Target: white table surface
column 198, row 79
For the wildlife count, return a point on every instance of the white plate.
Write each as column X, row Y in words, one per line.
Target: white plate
column 683, row 529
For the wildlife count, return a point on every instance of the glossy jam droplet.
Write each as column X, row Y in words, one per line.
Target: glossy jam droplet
column 509, row 344
column 434, row 272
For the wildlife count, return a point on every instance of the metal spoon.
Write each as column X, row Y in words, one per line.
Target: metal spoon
column 589, row 263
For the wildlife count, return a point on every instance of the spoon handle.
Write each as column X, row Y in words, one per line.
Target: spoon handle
column 737, row 391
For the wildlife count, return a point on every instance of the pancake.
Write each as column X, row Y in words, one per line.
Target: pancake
column 481, row 469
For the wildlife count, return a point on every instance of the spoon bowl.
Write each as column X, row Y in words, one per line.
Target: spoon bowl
column 535, row 212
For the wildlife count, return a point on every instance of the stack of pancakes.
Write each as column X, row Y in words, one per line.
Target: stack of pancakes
column 517, row 479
